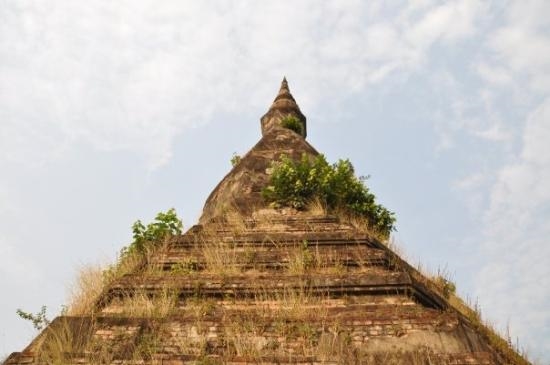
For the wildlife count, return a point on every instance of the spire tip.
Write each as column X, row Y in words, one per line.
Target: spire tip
column 284, row 86
column 284, row 105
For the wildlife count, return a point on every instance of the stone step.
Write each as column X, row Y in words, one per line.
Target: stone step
column 280, row 239
column 478, row 358
column 376, row 281
column 237, row 286
column 275, row 219
column 382, row 317
column 268, row 256
column 273, row 281
column 172, row 339
column 275, row 327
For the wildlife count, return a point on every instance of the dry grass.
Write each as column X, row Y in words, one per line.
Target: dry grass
column 235, row 220
column 93, row 280
column 71, row 340
column 259, row 336
column 511, row 352
column 142, row 304
column 249, row 327
column 86, row 290
column 243, row 343
column 230, row 217
column 336, row 346
column 291, row 304
column 220, row 251
column 292, row 313
column 361, row 224
column 220, row 257
column 62, row 339
column 246, row 336
column 317, row 208
column 441, row 282
column 300, row 259
column 194, row 341
column 305, row 258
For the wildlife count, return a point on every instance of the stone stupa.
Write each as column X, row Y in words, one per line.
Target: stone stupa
column 252, row 284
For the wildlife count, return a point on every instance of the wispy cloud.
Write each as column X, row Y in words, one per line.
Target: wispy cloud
column 521, row 48
column 516, row 275
column 513, row 284
column 134, row 79
column 450, row 21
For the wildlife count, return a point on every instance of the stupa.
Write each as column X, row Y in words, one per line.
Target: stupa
column 253, row 284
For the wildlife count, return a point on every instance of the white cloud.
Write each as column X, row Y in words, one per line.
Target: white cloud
column 493, row 133
column 521, row 47
column 132, row 75
column 470, row 182
column 494, row 74
column 450, row 21
column 475, row 113
column 512, row 285
column 525, row 50
column 537, row 134
column 471, row 189
column 516, row 278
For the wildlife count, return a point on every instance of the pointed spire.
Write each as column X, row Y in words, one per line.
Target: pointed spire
column 283, row 106
column 284, row 87
column 284, row 93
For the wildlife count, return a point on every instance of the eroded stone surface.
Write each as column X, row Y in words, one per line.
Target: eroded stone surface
column 240, row 190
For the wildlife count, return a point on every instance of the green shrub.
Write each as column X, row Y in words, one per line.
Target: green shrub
column 165, row 224
column 446, row 286
column 293, row 123
column 235, row 159
column 39, row 320
column 296, row 183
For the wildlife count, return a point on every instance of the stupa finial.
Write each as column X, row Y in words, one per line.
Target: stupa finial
column 284, row 86
column 283, row 106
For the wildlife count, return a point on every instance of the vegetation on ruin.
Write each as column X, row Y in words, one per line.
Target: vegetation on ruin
column 235, row 159
column 165, row 225
column 259, row 327
column 146, row 240
column 297, row 183
column 293, row 123
column 39, row 320
column 93, row 279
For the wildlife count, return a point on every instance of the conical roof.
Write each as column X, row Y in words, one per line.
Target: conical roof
column 241, row 188
column 283, row 106
column 254, row 285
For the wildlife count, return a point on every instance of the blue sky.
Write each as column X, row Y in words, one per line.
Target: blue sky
column 113, row 111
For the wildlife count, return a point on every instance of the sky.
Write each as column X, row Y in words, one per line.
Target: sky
column 111, row 111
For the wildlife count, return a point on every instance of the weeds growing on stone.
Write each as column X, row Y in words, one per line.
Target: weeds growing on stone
column 292, row 320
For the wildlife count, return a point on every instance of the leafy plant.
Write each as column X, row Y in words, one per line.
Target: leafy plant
column 293, row 123
column 39, row 320
column 296, row 183
column 447, row 286
column 145, row 240
column 165, row 224
column 235, row 159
